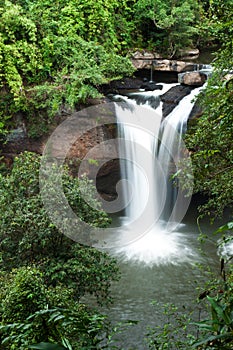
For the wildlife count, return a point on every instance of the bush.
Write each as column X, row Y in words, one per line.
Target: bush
column 29, row 316
column 28, row 237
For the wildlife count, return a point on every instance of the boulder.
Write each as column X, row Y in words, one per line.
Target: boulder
column 192, row 78
column 142, row 63
column 143, row 59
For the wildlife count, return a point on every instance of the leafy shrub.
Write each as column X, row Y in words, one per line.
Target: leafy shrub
column 28, row 236
column 29, row 316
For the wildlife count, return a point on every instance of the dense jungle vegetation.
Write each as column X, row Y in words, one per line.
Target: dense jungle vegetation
column 55, row 56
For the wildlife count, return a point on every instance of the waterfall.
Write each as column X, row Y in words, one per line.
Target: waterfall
column 171, row 147
column 150, row 155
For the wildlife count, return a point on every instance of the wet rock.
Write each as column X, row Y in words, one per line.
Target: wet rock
column 172, row 97
column 107, row 178
column 152, row 101
column 151, row 86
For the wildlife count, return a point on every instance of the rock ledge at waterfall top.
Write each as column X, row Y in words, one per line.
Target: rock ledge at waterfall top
column 143, row 59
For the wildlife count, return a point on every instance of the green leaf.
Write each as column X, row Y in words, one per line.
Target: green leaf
column 66, row 343
column 219, row 309
column 226, row 227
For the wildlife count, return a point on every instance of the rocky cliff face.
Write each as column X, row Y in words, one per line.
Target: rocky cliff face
column 85, row 150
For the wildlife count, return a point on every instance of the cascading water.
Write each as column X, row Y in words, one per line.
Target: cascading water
column 154, row 207
column 171, row 147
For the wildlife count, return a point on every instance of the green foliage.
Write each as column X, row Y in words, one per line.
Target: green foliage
column 55, row 57
column 174, row 23
column 210, row 141
column 29, row 316
column 18, row 59
column 44, row 273
column 24, row 295
column 18, row 48
column 216, row 332
column 28, row 237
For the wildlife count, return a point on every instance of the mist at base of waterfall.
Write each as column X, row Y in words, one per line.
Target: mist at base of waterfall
column 157, row 247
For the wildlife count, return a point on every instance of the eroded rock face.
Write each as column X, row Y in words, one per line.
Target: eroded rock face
column 143, row 59
column 171, row 65
column 192, row 78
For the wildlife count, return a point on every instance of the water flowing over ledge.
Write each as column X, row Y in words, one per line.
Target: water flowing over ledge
column 154, row 203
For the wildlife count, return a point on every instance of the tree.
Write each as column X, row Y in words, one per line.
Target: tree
column 55, row 57
column 210, row 138
column 215, row 16
column 174, row 23
column 28, row 237
column 19, row 56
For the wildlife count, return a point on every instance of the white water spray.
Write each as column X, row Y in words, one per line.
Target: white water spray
column 151, row 196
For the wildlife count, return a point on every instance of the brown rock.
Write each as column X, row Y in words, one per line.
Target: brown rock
column 192, row 78
column 144, row 55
